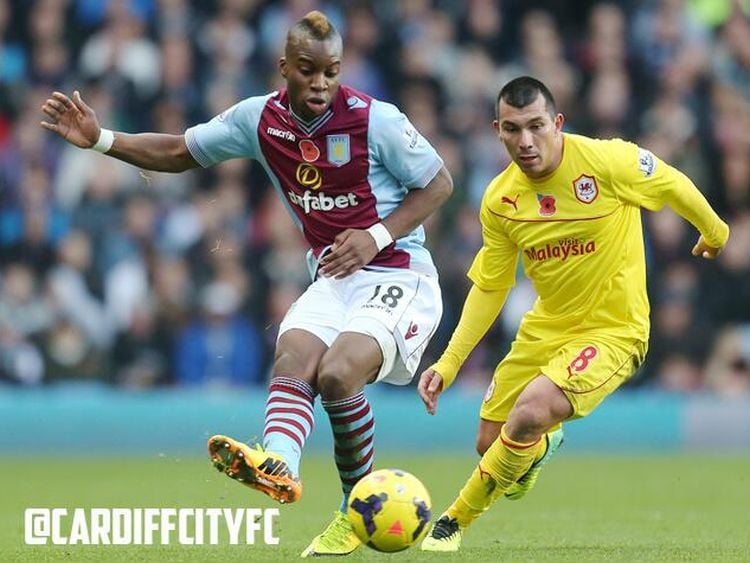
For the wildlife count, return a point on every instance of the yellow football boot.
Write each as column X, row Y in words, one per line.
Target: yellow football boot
column 337, row 539
column 445, row 535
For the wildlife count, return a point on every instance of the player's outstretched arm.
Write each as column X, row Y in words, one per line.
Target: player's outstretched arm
column 673, row 187
column 690, row 203
column 480, row 311
column 354, row 248
column 76, row 122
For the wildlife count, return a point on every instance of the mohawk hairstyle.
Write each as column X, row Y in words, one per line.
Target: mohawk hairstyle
column 314, row 24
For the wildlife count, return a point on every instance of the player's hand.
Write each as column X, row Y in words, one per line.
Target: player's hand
column 430, row 386
column 702, row 249
column 72, row 119
column 351, row 249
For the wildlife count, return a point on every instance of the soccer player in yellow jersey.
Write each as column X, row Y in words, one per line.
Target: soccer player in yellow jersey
column 570, row 207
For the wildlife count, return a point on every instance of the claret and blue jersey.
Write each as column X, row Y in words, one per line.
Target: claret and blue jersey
column 348, row 168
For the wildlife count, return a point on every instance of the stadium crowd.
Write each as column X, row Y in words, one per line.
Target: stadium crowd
column 140, row 279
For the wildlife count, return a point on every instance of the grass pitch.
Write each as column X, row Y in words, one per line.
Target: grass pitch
column 582, row 509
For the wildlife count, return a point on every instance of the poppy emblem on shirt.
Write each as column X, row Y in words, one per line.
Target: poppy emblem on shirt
column 546, row 205
column 310, row 151
column 585, row 188
column 337, row 149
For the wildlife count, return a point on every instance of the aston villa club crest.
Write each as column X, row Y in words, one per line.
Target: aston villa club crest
column 337, row 149
column 585, row 188
column 546, row 205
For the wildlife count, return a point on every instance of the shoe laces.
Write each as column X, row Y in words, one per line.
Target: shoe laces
column 337, row 531
column 444, row 528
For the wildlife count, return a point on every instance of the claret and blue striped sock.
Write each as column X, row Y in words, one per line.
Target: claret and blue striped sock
column 289, row 419
column 353, row 428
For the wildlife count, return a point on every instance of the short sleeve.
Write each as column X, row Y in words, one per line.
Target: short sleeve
column 495, row 264
column 396, row 143
column 231, row 134
column 639, row 176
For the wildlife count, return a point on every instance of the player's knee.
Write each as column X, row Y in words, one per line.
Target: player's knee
column 531, row 418
column 334, row 376
column 291, row 362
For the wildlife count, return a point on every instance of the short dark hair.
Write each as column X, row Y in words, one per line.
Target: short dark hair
column 522, row 91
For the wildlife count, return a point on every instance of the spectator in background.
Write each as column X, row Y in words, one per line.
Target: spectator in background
column 728, row 367
column 70, row 289
column 122, row 54
column 71, row 356
column 731, row 55
column 142, row 352
column 222, row 348
column 25, row 316
column 24, row 309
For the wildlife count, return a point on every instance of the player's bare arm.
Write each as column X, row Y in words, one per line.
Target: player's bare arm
column 354, row 248
column 76, row 122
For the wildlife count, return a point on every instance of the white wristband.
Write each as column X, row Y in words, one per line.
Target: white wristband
column 106, row 139
column 381, row 235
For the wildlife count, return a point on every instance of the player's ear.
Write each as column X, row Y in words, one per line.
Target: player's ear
column 283, row 68
column 559, row 122
column 496, row 125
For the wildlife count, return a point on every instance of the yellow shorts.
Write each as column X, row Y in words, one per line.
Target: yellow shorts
column 586, row 368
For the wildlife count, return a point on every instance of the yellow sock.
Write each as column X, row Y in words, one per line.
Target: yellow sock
column 501, row 466
column 542, row 449
column 498, row 492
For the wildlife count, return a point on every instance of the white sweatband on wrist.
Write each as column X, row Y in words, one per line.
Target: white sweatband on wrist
column 381, row 235
column 106, row 139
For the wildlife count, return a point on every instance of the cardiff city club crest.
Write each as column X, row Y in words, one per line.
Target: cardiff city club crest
column 585, row 188
column 337, row 149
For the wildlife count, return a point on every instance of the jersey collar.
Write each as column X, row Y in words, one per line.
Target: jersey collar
column 309, row 128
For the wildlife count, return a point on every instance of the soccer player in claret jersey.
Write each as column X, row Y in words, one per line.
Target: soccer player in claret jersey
column 359, row 180
column 571, row 207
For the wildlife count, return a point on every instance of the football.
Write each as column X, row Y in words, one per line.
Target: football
column 389, row 510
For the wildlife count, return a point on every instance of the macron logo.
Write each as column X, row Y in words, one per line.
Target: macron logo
column 281, row 134
column 318, row 201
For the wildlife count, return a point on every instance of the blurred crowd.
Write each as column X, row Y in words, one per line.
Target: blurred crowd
column 138, row 279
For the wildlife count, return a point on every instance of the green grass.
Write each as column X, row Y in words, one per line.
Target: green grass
column 583, row 508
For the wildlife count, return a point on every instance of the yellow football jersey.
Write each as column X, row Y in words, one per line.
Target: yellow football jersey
column 579, row 234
